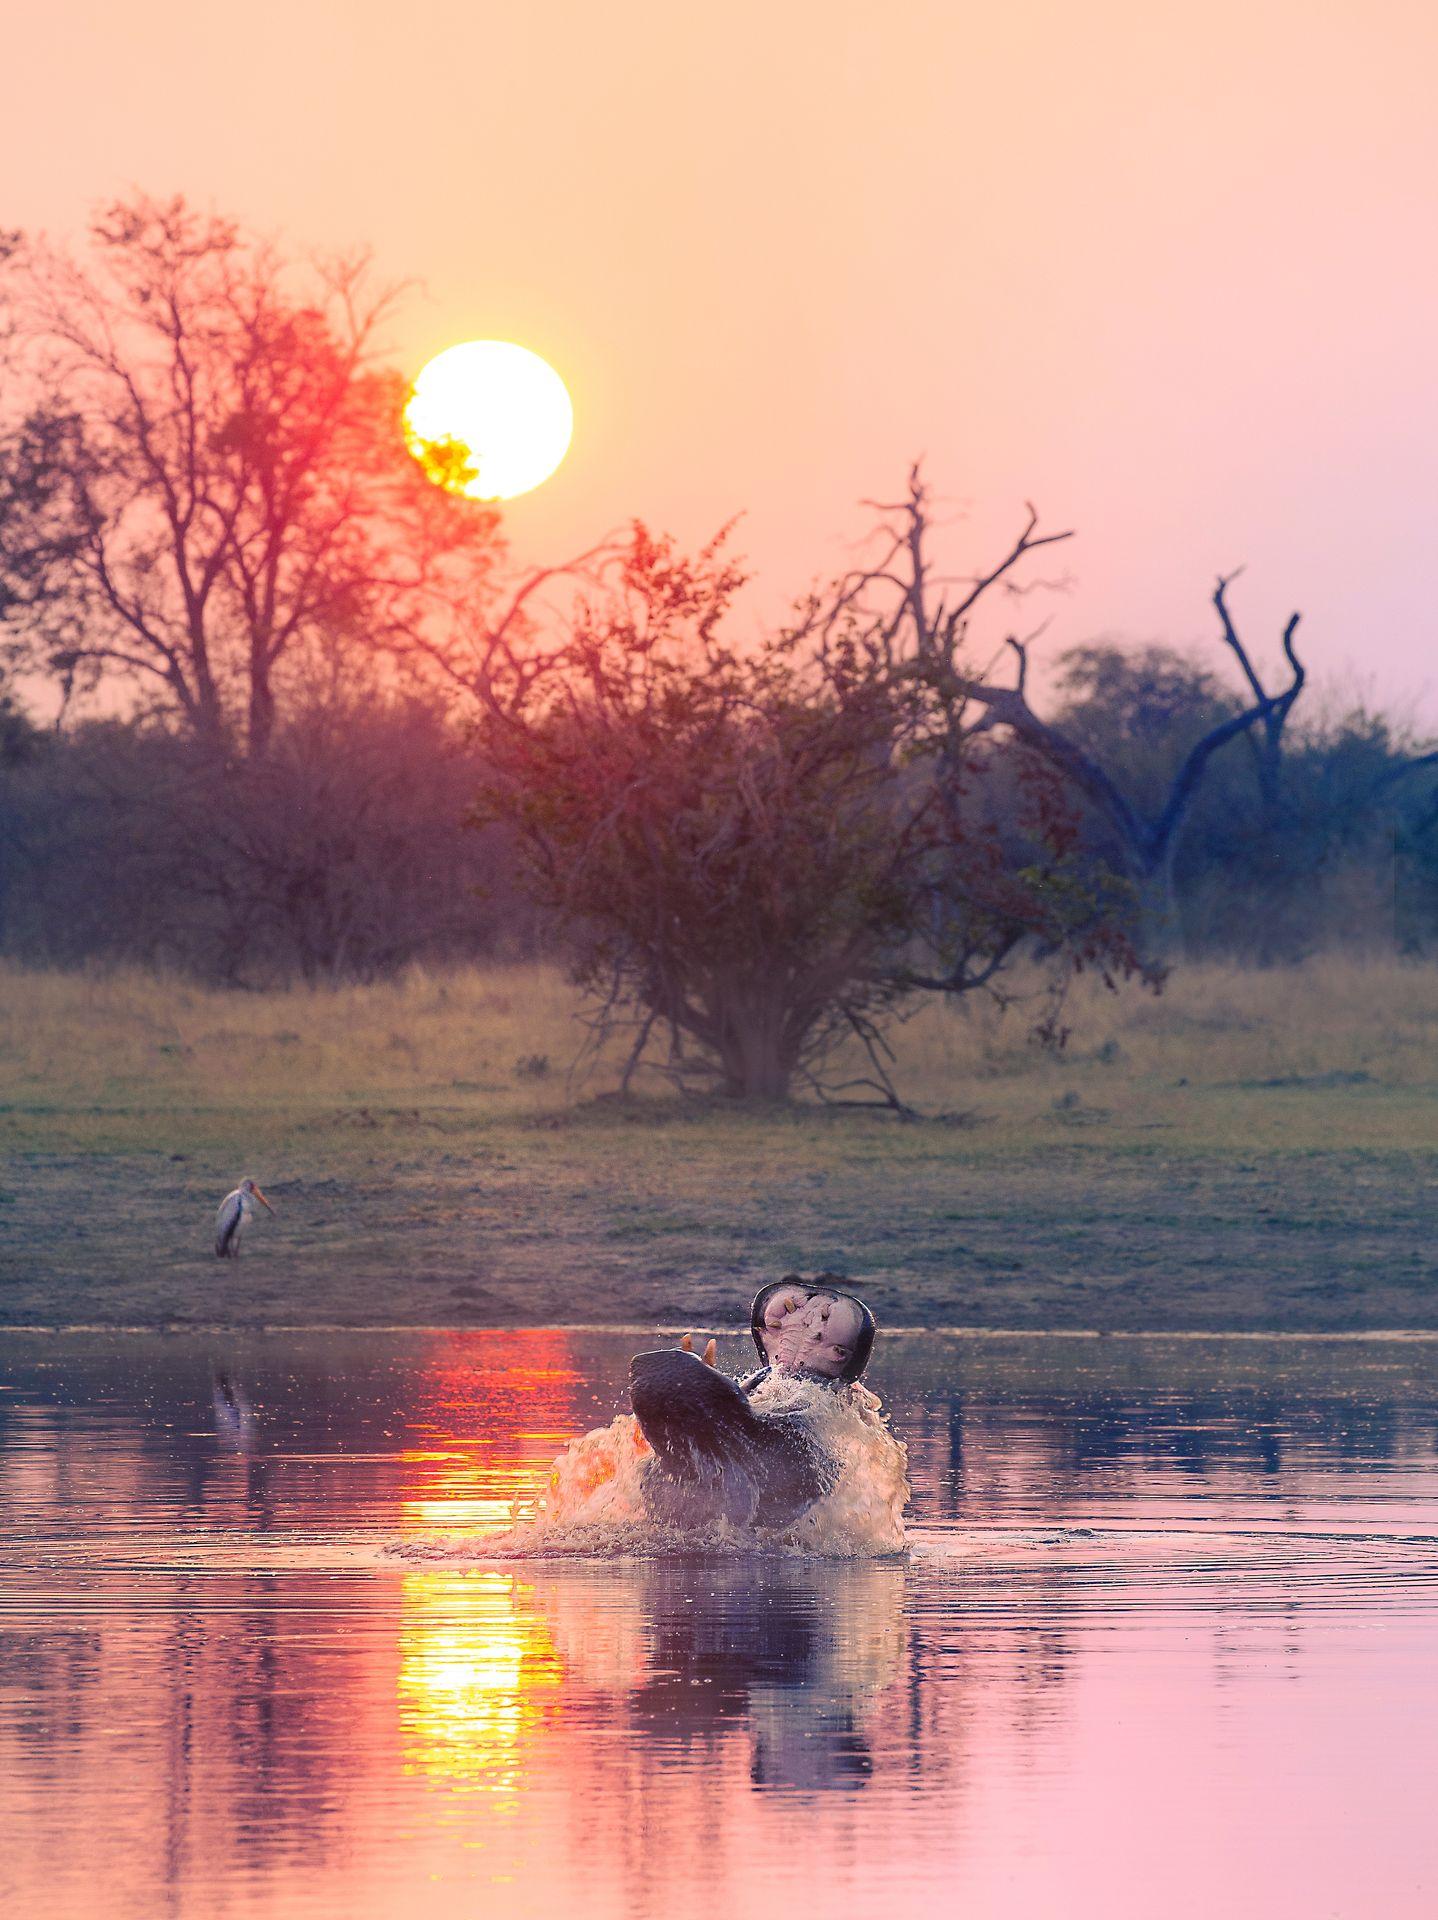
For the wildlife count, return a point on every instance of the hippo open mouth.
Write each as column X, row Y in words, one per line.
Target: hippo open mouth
column 717, row 1456
column 812, row 1327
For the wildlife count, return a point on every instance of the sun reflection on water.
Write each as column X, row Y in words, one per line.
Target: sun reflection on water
column 478, row 1673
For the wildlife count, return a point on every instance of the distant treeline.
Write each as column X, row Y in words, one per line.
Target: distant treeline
column 344, row 858
column 347, row 854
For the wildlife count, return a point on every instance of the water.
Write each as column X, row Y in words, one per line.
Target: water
column 1164, row 1639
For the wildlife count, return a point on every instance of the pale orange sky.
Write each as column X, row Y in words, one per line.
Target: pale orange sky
column 1169, row 271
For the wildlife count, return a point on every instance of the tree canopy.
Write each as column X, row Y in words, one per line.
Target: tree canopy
column 760, row 848
column 203, row 480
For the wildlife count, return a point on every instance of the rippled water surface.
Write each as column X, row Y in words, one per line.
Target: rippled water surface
column 1165, row 1641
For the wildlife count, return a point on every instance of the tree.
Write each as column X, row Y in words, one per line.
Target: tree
column 1307, row 828
column 203, row 475
column 760, row 850
column 1272, row 710
column 1138, row 710
column 21, row 745
column 922, row 626
column 38, row 545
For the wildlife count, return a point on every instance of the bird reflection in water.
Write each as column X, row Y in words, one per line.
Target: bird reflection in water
column 234, row 1415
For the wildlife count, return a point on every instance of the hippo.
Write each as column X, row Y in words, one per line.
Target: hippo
column 718, row 1457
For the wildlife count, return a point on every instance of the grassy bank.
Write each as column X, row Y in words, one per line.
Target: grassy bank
column 1250, row 1150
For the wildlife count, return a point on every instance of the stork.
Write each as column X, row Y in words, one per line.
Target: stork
column 236, row 1210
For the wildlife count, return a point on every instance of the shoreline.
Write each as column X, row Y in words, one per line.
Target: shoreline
column 1252, row 1156
column 179, row 1329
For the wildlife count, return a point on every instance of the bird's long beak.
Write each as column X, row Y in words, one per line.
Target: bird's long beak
column 262, row 1200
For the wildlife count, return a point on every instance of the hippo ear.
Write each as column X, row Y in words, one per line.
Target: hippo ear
column 686, row 1345
column 711, row 1354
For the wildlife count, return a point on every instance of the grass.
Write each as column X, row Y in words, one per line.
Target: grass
column 1249, row 1150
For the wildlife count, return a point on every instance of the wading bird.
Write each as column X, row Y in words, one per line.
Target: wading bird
column 236, row 1209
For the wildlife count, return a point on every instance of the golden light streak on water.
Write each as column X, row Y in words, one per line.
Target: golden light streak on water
column 477, row 1674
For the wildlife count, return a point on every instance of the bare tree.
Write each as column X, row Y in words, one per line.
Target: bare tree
column 1272, row 711
column 205, row 465
column 922, row 625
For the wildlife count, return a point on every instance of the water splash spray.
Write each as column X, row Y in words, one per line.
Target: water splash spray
column 594, row 1501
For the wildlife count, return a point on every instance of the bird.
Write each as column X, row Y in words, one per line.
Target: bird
column 235, row 1210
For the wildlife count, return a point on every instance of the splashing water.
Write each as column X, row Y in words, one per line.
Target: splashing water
column 864, row 1514
column 594, row 1503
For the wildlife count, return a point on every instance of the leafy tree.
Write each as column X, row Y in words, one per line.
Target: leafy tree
column 759, row 850
column 1139, row 710
column 21, row 745
column 203, row 476
column 20, row 739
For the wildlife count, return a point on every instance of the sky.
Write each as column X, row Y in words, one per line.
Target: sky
column 1168, row 271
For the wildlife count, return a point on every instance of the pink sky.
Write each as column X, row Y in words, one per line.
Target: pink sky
column 1168, row 271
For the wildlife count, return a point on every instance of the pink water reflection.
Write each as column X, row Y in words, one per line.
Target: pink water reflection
column 1157, row 1648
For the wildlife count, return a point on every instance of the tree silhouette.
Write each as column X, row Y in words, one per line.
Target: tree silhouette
column 758, row 849
column 203, row 476
column 922, row 626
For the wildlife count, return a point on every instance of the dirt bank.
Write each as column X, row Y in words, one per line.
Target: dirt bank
column 430, row 1168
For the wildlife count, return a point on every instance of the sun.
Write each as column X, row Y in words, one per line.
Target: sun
column 488, row 419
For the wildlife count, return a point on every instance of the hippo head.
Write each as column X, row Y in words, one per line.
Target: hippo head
column 812, row 1327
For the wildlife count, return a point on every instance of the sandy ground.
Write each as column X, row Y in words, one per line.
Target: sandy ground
column 1109, row 1191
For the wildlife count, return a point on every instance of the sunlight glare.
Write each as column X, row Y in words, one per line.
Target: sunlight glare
column 488, row 419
